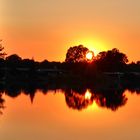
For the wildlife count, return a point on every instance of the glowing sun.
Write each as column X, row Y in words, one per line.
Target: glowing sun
column 89, row 55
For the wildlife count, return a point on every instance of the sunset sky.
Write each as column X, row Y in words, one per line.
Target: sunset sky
column 45, row 29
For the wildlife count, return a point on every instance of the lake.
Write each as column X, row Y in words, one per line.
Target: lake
column 67, row 115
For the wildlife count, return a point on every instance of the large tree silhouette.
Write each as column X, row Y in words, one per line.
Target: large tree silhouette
column 76, row 54
column 111, row 60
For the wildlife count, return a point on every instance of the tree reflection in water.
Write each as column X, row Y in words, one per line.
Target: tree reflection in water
column 111, row 99
column 78, row 98
column 1, row 103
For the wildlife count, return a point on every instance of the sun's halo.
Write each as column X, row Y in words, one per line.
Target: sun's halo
column 93, row 44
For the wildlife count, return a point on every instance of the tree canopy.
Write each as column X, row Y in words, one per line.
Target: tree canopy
column 13, row 58
column 76, row 54
column 111, row 60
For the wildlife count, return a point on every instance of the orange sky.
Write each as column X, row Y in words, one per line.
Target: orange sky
column 45, row 29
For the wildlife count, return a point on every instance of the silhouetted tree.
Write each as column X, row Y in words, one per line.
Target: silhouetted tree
column 133, row 67
column 44, row 64
column 2, row 67
column 76, row 54
column 13, row 58
column 138, row 62
column 13, row 61
column 29, row 63
column 2, row 62
column 112, row 60
column 2, row 54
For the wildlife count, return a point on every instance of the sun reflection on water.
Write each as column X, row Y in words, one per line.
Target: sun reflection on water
column 88, row 95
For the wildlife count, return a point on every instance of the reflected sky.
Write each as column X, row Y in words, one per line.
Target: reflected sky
column 49, row 117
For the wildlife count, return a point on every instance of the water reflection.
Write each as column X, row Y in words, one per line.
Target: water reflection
column 76, row 97
column 1, row 103
column 111, row 98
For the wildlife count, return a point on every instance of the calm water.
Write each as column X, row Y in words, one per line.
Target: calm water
column 67, row 115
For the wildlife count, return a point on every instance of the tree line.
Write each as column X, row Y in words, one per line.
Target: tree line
column 75, row 63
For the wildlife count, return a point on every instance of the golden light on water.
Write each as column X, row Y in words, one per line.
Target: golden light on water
column 88, row 95
column 93, row 106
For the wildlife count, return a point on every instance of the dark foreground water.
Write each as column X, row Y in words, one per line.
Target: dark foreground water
column 69, row 115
